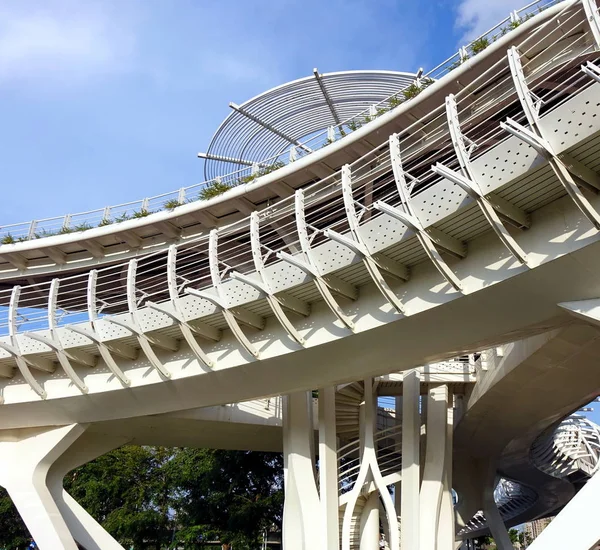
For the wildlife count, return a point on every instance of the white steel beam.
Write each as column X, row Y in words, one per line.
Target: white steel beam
column 53, row 340
column 369, row 471
column 133, row 326
column 221, row 158
column 593, row 71
column 593, row 16
column 408, row 216
column 307, row 263
column 359, row 247
column 16, row 260
column 219, row 299
column 434, row 473
column 14, row 350
column 56, row 255
column 330, row 104
column 176, row 314
column 169, row 229
column 467, row 180
column 536, row 138
column 269, row 127
column 328, row 468
column 94, row 248
column 133, row 240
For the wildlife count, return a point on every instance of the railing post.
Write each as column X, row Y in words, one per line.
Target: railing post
column 32, row 228
column 330, row 134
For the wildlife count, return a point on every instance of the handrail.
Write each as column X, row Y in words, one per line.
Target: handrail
column 82, row 221
column 323, row 203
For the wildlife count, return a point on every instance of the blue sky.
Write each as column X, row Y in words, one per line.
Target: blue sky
column 107, row 101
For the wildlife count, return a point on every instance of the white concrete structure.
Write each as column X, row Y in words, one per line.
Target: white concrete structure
column 445, row 253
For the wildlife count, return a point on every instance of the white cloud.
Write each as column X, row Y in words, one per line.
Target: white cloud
column 60, row 41
column 474, row 17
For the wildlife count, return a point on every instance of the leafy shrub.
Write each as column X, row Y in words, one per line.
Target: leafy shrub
column 479, row 45
column 171, row 204
column 213, row 189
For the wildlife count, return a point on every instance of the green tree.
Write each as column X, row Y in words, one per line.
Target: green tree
column 128, row 492
column 13, row 533
column 232, row 496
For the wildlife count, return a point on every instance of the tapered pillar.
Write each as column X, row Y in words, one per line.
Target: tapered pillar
column 328, row 469
column 369, row 523
column 411, row 468
column 33, row 464
column 83, row 527
column 24, row 464
column 302, row 525
column 446, row 525
column 495, row 523
column 432, row 487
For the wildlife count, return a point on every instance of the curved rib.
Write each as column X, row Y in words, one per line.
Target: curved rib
column 531, row 111
column 409, row 216
column 219, row 298
column 265, row 286
column 468, row 182
column 309, row 265
column 358, row 246
column 14, row 350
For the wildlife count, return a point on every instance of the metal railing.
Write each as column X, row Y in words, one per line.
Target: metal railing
column 71, row 223
column 423, row 143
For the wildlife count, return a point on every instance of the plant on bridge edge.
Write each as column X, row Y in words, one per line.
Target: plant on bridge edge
column 171, row 204
column 479, row 45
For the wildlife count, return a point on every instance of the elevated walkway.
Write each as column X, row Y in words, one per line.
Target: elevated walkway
column 468, row 221
column 352, row 231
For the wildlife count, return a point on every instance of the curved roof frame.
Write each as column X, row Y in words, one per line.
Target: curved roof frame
column 296, row 114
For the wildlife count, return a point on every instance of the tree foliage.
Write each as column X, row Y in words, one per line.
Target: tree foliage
column 227, row 495
column 13, row 533
column 157, row 498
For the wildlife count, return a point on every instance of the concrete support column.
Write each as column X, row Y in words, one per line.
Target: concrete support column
column 411, row 467
column 495, row 523
column 369, row 523
column 24, row 464
column 83, row 527
column 328, row 469
column 446, row 525
column 33, row 464
column 398, row 448
column 576, row 527
column 369, row 476
column 302, row 524
column 492, row 514
column 432, row 487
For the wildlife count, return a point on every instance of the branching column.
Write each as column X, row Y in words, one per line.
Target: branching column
column 32, row 466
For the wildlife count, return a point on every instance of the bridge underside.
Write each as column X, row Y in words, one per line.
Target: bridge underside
column 453, row 269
